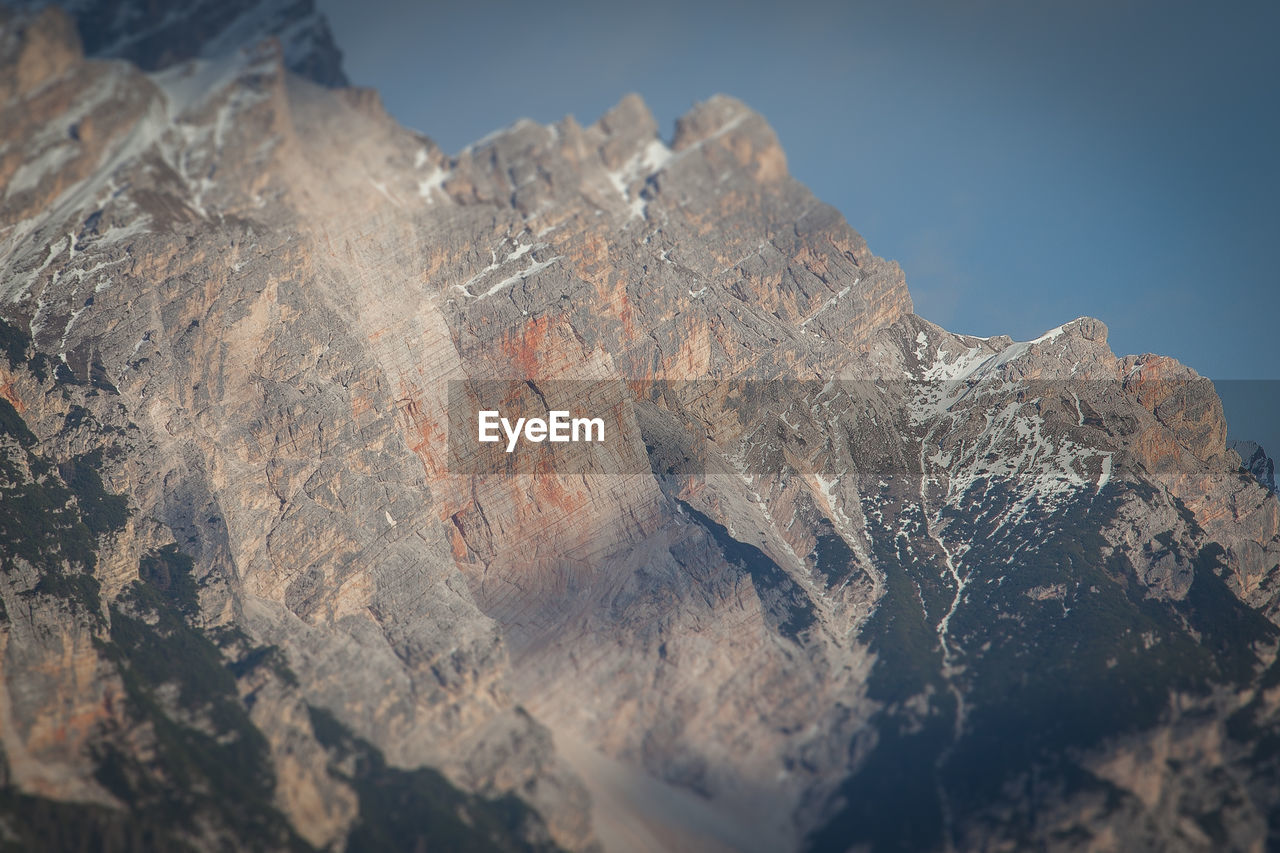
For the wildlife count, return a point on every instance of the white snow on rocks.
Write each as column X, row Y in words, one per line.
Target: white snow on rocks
column 647, row 162
column 432, row 186
column 520, row 250
column 1013, row 445
column 835, row 300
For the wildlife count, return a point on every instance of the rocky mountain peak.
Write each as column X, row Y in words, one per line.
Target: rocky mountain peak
column 625, row 131
column 738, row 129
column 159, row 34
column 856, row 579
column 1256, row 460
column 35, row 46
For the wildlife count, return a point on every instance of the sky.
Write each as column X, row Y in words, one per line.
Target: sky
column 1025, row 162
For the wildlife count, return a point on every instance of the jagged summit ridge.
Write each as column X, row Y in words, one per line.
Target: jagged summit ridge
column 1257, row 461
column 158, row 35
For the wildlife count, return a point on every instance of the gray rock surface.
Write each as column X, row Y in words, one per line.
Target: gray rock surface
column 925, row 589
column 1256, row 460
column 159, row 35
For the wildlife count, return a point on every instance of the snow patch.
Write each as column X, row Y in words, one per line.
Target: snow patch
column 118, row 233
column 1104, row 476
column 29, row 174
column 192, row 85
column 532, row 269
column 433, row 185
column 922, row 345
column 833, row 301
column 645, row 164
column 828, row 488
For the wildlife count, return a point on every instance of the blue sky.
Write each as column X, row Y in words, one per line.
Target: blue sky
column 1026, row 163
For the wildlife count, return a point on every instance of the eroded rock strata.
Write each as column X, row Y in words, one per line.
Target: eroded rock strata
column 924, row 590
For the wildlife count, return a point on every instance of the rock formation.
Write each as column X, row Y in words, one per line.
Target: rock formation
column 1256, row 460
column 921, row 590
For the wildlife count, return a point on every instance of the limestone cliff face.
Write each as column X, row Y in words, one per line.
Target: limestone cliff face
column 238, row 298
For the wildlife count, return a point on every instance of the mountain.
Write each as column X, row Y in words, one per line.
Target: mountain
column 160, row 34
column 846, row 579
column 1256, row 460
